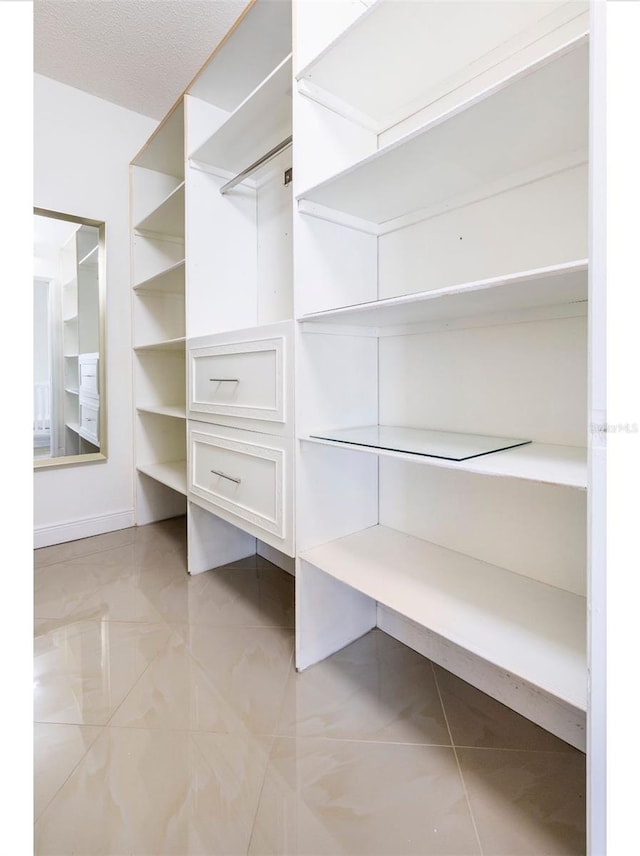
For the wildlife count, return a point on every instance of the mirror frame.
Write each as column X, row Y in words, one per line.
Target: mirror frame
column 90, row 457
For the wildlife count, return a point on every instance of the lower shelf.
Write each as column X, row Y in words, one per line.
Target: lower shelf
column 173, row 474
column 532, row 630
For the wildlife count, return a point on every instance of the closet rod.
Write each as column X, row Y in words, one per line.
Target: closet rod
column 254, row 166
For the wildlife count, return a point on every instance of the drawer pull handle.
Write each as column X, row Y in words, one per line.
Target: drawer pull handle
column 224, row 380
column 225, row 476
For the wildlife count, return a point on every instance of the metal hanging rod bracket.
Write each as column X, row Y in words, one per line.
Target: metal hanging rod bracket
column 254, row 166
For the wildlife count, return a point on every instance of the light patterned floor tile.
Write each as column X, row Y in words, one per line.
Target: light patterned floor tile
column 374, row 689
column 324, row 797
column 248, row 666
column 57, row 749
column 527, row 803
column 155, row 793
column 83, row 670
column 476, row 719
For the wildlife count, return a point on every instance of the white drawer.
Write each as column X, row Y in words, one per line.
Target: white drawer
column 90, row 419
column 88, row 375
column 241, row 380
column 243, row 475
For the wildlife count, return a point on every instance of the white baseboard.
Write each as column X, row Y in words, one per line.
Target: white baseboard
column 46, row 536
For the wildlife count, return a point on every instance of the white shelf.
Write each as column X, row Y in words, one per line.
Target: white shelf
column 71, row 319
column 532, row 124
column 556, row 465
column 167, row 345
column 532, row 630
column 550, row 286
column 173, row 474
column 176, row 411
column 72, row 426
column 426, row 54
column 168, row 281
column 261, row 122
column 164, row 151
column 72, row 391
column 168, row 217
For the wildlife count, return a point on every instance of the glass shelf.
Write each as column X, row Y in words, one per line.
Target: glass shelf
column 448, row 445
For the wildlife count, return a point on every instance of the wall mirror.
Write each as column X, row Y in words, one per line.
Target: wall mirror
column 69, row 418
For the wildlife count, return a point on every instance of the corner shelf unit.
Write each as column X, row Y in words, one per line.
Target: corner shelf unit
column 442, row 284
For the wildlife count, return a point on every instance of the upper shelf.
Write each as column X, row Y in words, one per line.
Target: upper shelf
column 256, row 126
column 527, row 126
column 550, row 286
column 164, row 152
column 168, row 217
column 422, row 53
column 168, row 281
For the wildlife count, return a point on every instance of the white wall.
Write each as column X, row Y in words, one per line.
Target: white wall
column 82, row 149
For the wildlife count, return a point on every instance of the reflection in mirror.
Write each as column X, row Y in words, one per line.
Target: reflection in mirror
column 68, row 324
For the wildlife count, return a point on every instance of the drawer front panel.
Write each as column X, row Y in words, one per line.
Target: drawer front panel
column 89, row 420
column 243, row 379
column 245, row 479
column 89, row 377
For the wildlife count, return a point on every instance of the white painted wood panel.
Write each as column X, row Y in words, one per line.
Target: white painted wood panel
column 151, row 257
column 535, row 631
column 157, row 501
column 557, row 285
column 150, row 189
column 164, row 150
column 490, row 238
column 170, row 281
column 423, row 50
column 274, row 226
column 160, row 378
column 167, row 218
column 535, row 530
column 159, row 439
column 221, row 256
column 333, row 266
column 157, row 317
column 336, row 382
column 171, row 474
column 257, row 43
column 212, row 542
column 255, row 127
column 518, row 380
column 534, row 121
column 318, row 23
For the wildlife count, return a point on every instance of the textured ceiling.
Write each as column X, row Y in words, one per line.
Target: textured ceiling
column 140, row 54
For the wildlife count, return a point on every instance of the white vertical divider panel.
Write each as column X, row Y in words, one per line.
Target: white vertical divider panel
column 274, row 227
column 329, row 615
column 597, row 838
column 156, row 502
column 336, row 376
column 212, row 542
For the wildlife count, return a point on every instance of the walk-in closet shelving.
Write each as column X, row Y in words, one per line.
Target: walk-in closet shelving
column 158, row 301
column 240, row 288
column 232, row 291
column 441, row 271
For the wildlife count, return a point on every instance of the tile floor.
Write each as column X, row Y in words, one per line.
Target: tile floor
column 169, row 719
